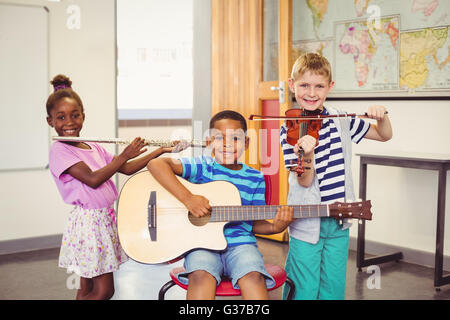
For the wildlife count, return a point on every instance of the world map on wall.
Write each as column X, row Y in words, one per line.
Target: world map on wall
column 378, row 46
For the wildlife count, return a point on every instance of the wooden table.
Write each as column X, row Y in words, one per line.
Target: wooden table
column 438, row 162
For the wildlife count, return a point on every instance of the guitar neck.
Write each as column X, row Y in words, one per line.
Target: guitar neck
column 251, row 213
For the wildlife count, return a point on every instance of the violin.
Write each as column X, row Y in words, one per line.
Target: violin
column 303, row 122
column 298, row 127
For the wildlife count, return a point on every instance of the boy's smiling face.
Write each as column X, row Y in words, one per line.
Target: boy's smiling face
column 228, row 142
column 310, row 90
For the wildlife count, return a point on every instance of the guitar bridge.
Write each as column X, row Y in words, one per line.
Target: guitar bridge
column 151, row 215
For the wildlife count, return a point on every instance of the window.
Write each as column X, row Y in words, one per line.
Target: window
column 154, row 60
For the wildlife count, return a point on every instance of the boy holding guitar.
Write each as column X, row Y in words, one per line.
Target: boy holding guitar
column 241, row 260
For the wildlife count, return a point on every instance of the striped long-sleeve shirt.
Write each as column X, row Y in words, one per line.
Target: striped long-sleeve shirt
column 248, row 181
column 328, row 156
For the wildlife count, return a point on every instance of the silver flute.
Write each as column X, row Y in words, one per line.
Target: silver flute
column 150, row 142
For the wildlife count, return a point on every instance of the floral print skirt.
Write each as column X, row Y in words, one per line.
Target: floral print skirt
column 90, row 244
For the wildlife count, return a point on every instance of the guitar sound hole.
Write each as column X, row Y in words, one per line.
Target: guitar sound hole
column 198, row 222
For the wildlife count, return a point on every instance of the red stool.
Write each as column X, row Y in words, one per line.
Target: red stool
column 225, row 288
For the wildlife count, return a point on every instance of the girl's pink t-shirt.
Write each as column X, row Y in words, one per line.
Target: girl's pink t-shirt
column 73, row 191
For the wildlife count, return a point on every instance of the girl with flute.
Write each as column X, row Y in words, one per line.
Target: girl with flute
column 82, row 171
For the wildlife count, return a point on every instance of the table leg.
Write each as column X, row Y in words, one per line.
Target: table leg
column 360, row 247
column 439, row 256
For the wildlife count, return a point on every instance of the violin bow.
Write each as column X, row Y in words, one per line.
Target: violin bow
column 258, row 117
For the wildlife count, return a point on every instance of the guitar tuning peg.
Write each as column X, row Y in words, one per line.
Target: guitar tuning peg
column 360, row 221
column 340, row 219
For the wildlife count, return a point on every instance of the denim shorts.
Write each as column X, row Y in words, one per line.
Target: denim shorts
column 234, row 263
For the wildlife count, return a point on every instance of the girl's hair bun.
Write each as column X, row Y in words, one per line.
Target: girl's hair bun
column 60, row 81
column 62, row 89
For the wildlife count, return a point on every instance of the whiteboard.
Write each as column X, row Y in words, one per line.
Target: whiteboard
column 24, row 132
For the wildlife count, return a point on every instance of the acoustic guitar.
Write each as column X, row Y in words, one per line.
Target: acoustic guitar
column 154, row 227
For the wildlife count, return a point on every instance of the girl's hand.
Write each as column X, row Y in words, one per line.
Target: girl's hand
column 307, row 143
column 283, row 218
column 197, row 205
column 376, row 112
column 134, row 149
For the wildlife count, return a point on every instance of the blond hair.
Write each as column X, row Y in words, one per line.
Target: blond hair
column 313, row 62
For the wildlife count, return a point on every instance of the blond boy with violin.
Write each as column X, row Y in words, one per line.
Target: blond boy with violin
column 320, row 172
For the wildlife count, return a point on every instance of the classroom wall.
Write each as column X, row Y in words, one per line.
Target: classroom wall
column 30, row 204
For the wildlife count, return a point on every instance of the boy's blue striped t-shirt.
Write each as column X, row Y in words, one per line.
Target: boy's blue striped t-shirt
column 328, row 156
column 249, row 182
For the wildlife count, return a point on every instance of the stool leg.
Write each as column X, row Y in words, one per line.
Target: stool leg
column 164, row 288
column 291, row 288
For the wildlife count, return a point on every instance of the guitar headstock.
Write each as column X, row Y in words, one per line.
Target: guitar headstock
column 352, row 210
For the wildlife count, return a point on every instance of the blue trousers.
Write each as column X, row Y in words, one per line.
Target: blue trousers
column 319, row 270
